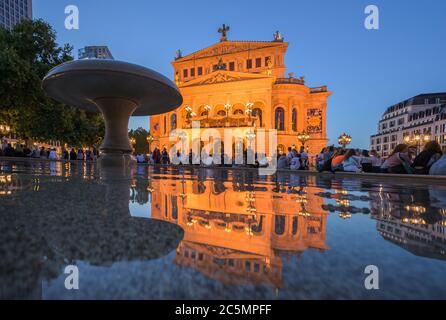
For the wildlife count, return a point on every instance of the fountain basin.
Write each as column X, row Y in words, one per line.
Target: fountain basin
column 116, row 89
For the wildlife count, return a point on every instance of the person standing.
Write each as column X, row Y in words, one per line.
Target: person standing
column 165, row 157
column 80, row 155
column 52, row 154
column 73, row 155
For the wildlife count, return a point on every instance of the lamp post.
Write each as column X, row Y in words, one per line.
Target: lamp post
column 4, row 130
column 344, row 140
column 418, row 140
column 249, row 110
column 228, row 107
column 150, row 141
column 207, row 108
column 303, row 137
column 189, row 114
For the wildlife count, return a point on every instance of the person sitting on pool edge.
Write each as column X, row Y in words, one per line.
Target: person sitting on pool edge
column 439, row 167
column 351, row 162
column 336, row 162
column 430, row 154
column 398, row 162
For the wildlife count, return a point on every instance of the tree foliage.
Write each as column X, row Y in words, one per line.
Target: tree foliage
column 27, row 53
column 141, row 144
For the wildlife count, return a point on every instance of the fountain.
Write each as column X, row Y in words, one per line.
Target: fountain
column 116, row 89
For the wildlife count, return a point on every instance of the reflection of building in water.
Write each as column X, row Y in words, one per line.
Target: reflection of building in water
column 235, row 234
column 410, row 221
column 8, row 185
column 415, row 236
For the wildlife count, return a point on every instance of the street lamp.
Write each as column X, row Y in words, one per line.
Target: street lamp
column 303, row 137
column 249, row 110
column 344, row 140
column 418, row 140
column 189, row 113
column 149, row 141
column 4, row 129
column 207, row 108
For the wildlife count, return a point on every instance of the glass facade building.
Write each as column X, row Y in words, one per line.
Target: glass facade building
column 13, row 11
column 95, row 52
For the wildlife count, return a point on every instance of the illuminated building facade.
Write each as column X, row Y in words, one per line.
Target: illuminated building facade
column 414, row 121
column 242, row 84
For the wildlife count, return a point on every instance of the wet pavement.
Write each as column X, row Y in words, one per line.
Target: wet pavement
column 163, row 233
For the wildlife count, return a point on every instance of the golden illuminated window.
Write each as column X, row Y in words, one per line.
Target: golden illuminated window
column 280, row 119
column 258, row 113
column 267, row 59
column 294, row 120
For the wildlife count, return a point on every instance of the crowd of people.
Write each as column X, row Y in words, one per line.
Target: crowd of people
column 36, row 152
column 403, row 160
column 296, row 160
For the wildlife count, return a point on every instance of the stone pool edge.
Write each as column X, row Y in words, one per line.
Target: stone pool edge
column 367, row 176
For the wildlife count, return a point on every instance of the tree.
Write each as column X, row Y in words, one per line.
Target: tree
column 141, row 144
column 27, row 53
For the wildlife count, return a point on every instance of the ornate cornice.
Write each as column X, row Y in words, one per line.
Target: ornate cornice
column 228, row 47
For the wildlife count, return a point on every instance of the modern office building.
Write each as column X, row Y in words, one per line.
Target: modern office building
column 95, row 52
column 13, row 11
column 414, row 121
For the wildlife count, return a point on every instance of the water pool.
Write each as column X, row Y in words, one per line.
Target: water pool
column 163, row 233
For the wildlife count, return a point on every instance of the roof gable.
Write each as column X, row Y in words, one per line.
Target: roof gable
column 228, row 47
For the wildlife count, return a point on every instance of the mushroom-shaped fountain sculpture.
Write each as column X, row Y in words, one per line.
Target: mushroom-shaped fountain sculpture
column 118, row 90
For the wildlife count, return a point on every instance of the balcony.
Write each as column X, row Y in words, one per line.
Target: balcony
column 224, row 122
column 290, row 81
column 318, row 89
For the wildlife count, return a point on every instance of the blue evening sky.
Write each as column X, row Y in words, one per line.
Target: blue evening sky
column 367, row 71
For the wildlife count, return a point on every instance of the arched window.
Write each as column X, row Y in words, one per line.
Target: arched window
column 280, row 119
column 279, row 223
column 258, row 113
column 295, row 225
column 257, row 228
column 294, row 120
column 165, row 125
column 238, row 112
column 221, row 113
column 173, row 121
